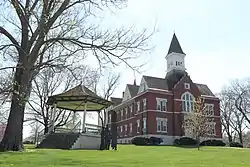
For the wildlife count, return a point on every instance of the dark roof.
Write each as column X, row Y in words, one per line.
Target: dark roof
column 175, row 46
column 75, row 99
column 157, row 83
column 173, row 77
column 169, row 82
column 133, row 89
column 204, row 89
column 79, row 90
column 116, row 101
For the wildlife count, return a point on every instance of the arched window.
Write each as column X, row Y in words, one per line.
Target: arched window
column 187, row 102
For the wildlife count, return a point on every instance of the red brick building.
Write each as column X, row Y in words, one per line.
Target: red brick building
column 157, row 106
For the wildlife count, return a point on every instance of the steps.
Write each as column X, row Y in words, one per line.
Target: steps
column 59, row 140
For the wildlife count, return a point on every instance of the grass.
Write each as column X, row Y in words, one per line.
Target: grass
column 129, row 156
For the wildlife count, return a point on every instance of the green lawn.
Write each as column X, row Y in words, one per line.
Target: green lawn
column 130, row 156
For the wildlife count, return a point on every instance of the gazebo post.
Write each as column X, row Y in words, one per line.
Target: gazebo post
column 84, row 117
column 53, row 117
column 74, row 118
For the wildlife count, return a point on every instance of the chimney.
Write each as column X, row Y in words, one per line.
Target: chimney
column 123, row 94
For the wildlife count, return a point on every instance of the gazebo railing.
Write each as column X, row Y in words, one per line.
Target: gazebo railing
column 89, row 129
column 93, row 129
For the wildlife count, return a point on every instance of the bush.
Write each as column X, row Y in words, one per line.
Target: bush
column 236, row 144
column 185, row 141
column 143, row 141
column 28, row 142
column 140, row 141
column 155, row 140
column 212, row 143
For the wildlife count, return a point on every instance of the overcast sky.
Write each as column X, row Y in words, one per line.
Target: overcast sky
column 214, row 35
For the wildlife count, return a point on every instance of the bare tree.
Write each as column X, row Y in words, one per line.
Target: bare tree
column 108, row 90
column 66, row 25
column 240, row 89
column 36, row 128
column 227, row 108
column 46, row 84
column 235, row 114
column 197, row 123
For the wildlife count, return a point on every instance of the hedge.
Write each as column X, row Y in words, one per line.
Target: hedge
column 185, row 141
column 143, row 141
column 236, row 144
column 212, row 143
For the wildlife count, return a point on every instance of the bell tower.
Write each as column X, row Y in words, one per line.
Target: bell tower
column 175, row 57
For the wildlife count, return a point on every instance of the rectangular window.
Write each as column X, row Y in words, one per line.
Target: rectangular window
column 161, row 104
column 131, row 109
column 144, row 104
column 126, row 128
column 144, row 128
column 126, row 113
column 121, row 114
column 138, row 106
column 161, row 124
column 209, row 109
column 138, row 126
column 211, row 128
column 130, row 128
column 121, row 128
column 109, row 118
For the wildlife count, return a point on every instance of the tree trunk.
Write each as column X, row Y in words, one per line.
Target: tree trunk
column 230, row 138
column 13, row 137
column 46, row 130
column 46, row 127
column 198, row 143
column 240, row 137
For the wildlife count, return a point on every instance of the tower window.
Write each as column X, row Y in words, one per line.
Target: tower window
column 177, row 63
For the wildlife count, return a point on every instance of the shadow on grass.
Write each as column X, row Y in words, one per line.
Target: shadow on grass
column 186, row 146
column 178, row 146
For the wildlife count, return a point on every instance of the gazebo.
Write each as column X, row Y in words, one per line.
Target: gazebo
column 77, row 99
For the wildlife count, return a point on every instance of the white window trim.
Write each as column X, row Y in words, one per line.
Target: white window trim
column 109, row 118
column 126, row 112
column 214, row 126
column 131, row 108
column 161, row 119
column 138, row 106
column 158, row 100
column 121, row 114
column 137, row 125
column 144, row 124
column 130, row 128
column 186, row 85
column 207, row 105
column 121, row 128
column 187, row 102
column 125, row 129
column 144, row 104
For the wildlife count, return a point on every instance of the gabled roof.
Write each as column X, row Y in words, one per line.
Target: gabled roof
column 204, row 89
column 161, row 83
column 157, row 83
column 133, row 89
column 116, row 101
column 175, row 46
